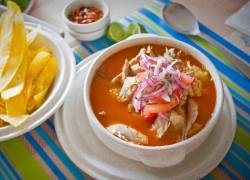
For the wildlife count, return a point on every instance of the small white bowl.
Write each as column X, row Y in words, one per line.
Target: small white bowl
column 60, row 88
column 90, row 27
column 154, row 156
column 88, row 36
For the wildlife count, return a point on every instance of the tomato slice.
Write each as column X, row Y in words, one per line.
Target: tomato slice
column 185, row 79
column 150, row 117
column 150, row 109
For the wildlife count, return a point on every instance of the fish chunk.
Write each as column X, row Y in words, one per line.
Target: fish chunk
column 161, row 124
column 126, row 90
column 192, row 114
column 128, row 134
column 125, row 72
column 177, row 120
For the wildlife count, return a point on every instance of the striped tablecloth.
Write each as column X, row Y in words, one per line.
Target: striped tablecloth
column 38, row 154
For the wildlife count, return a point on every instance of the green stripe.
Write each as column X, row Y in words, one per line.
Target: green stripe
column 210, row 48
column 151, row 24
column 235, row 87
column 26, row 165
column 242, row 138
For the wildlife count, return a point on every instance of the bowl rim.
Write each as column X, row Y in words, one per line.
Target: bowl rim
column 104, row 7
column 192, row 50
column 54, row 38
column 88, row 33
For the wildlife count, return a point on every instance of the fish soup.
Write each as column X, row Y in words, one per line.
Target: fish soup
column 152, row 95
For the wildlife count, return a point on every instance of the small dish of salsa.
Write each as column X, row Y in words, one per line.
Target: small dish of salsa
column 85, row 15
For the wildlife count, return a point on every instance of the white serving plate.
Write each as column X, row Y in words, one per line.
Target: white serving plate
column 44, row 112
column 91, row 156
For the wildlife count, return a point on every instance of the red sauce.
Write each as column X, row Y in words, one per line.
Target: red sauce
column 85, row 15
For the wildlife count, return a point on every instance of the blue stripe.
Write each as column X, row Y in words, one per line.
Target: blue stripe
column 51, row 125
column 238, row 165
column 97, row 45
column 241, row 105
column 44, row 156
column 244, row 155
column 234, row 75
column 238, row 96
column 107, row 41
column 78, row 58
column 128, row 19
column 165, row 1
column 57, row 151
column 87, row 48
column 242, row 125
column 227, row 171
column 1, row 175
column 243, row 122
column 5, row 171
column 125, row 23
column 225, row 43
column 208, row 177
column 9, row 165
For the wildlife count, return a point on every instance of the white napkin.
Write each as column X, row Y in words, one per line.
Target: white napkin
column 241, row 19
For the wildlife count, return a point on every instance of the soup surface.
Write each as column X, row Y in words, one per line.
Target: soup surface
column 110, row 111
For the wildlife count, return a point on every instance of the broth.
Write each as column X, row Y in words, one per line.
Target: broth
column 117, row 112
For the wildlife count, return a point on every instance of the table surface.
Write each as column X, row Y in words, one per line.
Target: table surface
column 39, row 153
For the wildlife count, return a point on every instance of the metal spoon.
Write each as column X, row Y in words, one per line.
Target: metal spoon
column 183, row 21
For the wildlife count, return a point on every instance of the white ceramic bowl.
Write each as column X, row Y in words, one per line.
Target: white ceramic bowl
column 90, row 27
column 59, row 90
column 88, row 36
column 155, row 156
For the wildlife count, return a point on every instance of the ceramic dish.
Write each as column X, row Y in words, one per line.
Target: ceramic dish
column 155, row 156
column 88, row 36
column 91, row 156
column 60, row 88
column 90, row 27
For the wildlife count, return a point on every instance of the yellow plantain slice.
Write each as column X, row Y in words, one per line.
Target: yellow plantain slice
column 46, row 77
column 14, row 121
column 6, row 38
column 42, row 85
column 43, row 48
column 7, row 34
column 16, row 106
column 40, row 97
column 18, row 46
column 13, row 6
column 17, row 84
column 35, row 68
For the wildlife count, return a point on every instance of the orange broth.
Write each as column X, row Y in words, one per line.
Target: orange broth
column 117, row 112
